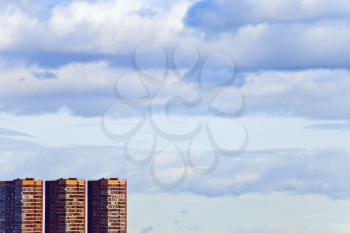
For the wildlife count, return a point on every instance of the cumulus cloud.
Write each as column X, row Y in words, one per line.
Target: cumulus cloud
column 275, row 34
column 292, row 61
column 269, row 34
column 29, row 89
column 88, row 89
column 15, row 25
column 311, row 93
column 90, row 26
column 296, row 46
column 215, row 15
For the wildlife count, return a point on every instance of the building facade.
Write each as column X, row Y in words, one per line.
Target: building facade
column 107, row 206
column 65, row 206
column 21, row 206
column 3, row 205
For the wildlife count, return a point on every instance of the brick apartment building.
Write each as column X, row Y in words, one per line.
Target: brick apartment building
column 65, row 206
column 107, row 208
column 21, row 206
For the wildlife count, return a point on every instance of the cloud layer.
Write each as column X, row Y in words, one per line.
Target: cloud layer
column 214, row 15
column 88, row 89
column 321, row 172
column 287, row 59
column 293, row 171
column 291, row 56
column 258, row 34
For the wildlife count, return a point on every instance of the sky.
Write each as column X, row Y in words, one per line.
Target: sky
column 225, row 116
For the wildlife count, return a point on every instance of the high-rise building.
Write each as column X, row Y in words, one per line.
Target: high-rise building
column 3, row 205
column 65, row 206
column 107, row 206
column 21, row 206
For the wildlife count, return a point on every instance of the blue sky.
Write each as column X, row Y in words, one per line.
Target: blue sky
column 268, row 79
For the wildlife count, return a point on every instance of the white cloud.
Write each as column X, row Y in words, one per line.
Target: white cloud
column 65, row 143
column 321, row 172
column 310, row 93
column 291, row 39
column 216, row 15
column 23, row 158
column 25, row 80
column 276, row 35
column 15, row 25
column 96, row 27
column 90, row 87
